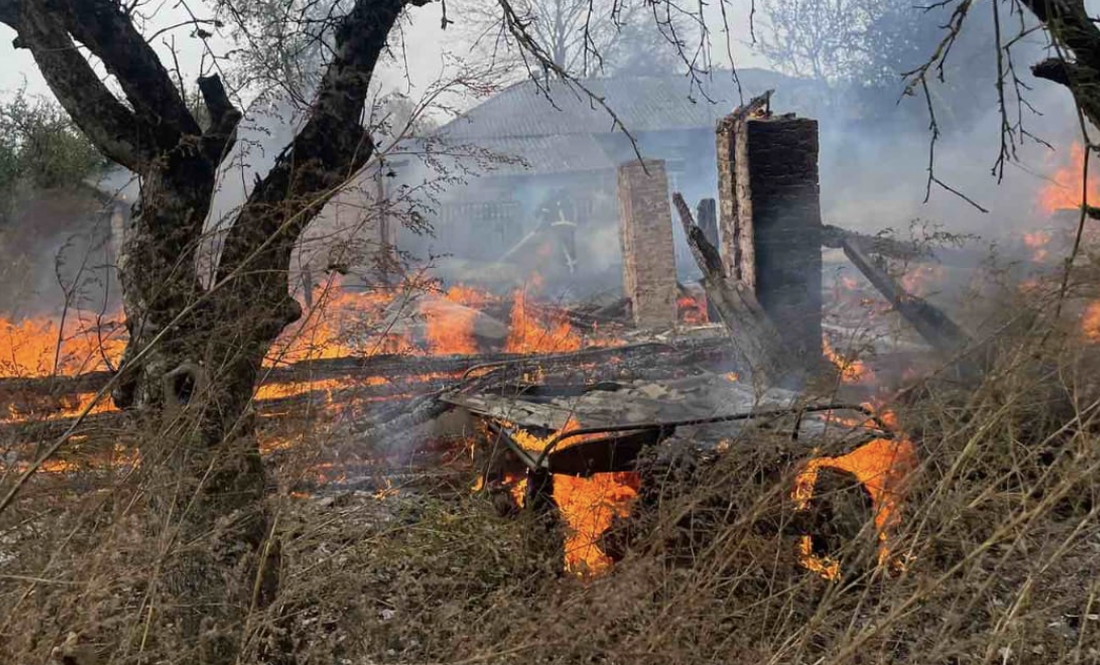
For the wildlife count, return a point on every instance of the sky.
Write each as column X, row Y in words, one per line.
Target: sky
column 425, row 43
column 900, row 176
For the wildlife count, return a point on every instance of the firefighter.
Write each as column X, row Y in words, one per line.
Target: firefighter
column 558, row 215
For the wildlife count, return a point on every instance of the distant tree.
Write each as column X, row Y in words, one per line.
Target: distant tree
column 861, row 49
column 826, row 41
column 581, row 37
column 40, row 148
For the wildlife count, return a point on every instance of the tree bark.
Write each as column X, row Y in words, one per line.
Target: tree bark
column 1077, row 65
column 194, row 353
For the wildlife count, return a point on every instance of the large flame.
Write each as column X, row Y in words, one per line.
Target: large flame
column 530, row 333
column 588, row 506
column 37, row 347
column 1065, row 189
column 882, row 466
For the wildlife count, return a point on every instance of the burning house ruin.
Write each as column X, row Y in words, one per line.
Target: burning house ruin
column 563, row 402
column 560, row 403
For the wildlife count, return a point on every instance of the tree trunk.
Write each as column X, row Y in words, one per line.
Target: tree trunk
column 192, row 360
column 194, row 353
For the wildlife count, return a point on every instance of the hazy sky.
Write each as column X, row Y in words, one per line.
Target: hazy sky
column 425, row 44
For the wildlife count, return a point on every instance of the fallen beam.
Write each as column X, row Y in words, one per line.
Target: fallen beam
column 753, row 334
column 902, row 250
column 935, row 327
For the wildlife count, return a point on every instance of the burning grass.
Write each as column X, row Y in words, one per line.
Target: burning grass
column 994, row 542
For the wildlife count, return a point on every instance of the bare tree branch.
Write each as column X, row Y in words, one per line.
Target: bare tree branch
column 111, row 36
column 219, row 136
column 113, row 128
column 331, row 147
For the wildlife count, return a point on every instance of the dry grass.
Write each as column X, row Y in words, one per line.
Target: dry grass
column 999, row 534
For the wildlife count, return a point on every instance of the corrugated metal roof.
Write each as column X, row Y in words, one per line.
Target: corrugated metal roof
column 643, row 104
column 547, row 154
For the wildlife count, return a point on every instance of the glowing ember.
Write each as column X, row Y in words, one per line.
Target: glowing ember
column 62, row 406
column 538, row 443
column 881, row 466
column 1090, row 321
column 691, row 311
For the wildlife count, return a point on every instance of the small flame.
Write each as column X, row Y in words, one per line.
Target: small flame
column 1037, row 242
column 920, row 279
column 852, row 370
column 1090, row 321
column 691, row 311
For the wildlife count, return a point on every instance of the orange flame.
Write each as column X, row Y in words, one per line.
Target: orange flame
column 852, row 370
column 691, row 312
column 530, row 334
column 882, row 467
column 1090, row 321
column 1064, row 191
column 587, row 505
column 1037, row 242
column 39, row 347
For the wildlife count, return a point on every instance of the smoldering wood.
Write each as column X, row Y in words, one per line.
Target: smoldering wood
column 751, row 330
column 619, row 419
column 18, row 391
column 410, row 389
column 706, row 216
column 585, row 317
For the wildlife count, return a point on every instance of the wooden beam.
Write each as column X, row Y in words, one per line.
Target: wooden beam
column 753, row 334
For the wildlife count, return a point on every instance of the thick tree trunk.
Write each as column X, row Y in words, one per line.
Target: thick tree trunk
column 191, row 363
column 194, row 353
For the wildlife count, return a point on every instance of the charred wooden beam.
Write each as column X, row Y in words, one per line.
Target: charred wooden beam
column 902, row 250
column 935, row 327
column 751, row 330
column 407, row 398
column 706, row 215
column 834, row 237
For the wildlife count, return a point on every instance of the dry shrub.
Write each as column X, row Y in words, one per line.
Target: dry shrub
column 998, row 537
